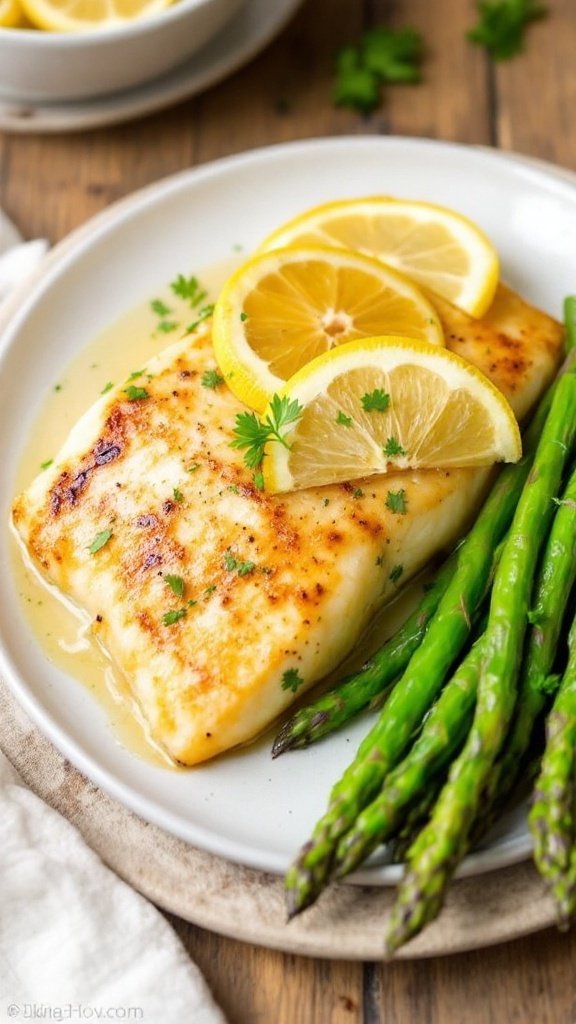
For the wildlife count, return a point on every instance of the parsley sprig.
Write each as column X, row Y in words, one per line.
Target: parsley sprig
column 383, row 56
column 502, row 23
column 252, row 433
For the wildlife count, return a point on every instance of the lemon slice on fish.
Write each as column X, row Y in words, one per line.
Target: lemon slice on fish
column 283, row 308
column 434, row 246
column 385, row 404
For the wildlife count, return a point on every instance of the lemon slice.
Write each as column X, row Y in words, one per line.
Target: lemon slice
column 80, row 15
column 432, row 245
column 11, row 14
column 283, row 308
column 387, row 404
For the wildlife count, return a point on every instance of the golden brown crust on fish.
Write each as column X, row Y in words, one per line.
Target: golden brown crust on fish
column 215, row 600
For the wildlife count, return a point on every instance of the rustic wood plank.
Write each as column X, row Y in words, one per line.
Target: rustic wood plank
column 530, row 980
column 536, row 93
column 261, row 986
column 453, row 102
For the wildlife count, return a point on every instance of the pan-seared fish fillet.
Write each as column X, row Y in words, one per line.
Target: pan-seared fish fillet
column 277, row 590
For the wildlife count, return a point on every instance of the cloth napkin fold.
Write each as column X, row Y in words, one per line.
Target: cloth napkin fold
column 77, row 943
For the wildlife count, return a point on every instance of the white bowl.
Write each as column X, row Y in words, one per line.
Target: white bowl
column 44, row 67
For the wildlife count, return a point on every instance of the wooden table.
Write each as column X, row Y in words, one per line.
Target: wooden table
column 50, row 184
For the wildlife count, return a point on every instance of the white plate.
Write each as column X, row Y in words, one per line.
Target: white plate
column 246, row 35
column 242, row 806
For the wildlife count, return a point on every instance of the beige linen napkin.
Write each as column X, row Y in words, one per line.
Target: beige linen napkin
column 76, row 943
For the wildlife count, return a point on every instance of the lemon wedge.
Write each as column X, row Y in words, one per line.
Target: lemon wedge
column 80, row 15
column 436, row 247
column 285, row 307
column 387, row 404
column 11, row 14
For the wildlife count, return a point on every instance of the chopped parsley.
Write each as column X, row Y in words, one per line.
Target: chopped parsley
column 383, row 56
column 292, row 680
column 253, row 433
column 189, row 289
column 135, row 374
column 57, row 387
column 193, row 467
column 160, row 308
column 210, row 589
column 45, row 465
column 233, row 565
column 178, row 496
column 136, row 394
column 211, row 379
column 203, row 314
column 100, row 541
column 343, row 420
column 167, row 326
column 396, row 501
column 502, row 23
column 169, row 618
column 358, row 493
column 396, row 573
column 243, row 316
column 375, row 401
column 393, row 447
column 107, row 387
column 176, row 584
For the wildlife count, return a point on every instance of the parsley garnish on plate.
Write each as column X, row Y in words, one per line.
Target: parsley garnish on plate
column 203, row 314
column 502, row 23
column 343, row 420
column 100, row 541
column 211, row 379
column 136, row 394
column 169, row 618
column 396, row 501
column 160, row 308
column 383, row 56
column 375, row 401
column 292, row 680
column 252, row 433
column 189, row 289
column 107, row 387
column 176, row 584
column 393, row 447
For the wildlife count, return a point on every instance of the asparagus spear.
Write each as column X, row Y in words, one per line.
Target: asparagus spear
column 556, row 578
column 551, row 819
column 415, row 819
column 443, row 842
column 570, row 321
column 376, row 677
column 442, row 735
column 417, row 689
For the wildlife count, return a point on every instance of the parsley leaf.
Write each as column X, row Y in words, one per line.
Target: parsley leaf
column 252, row 433
column 176, row 584
column 502, row 23
column 177, row 493
column 107, row 387
column 358, row 493
column 166, row 326
column 393, row 447
column 189, row 289
column 245, row 568
column 396, row 501
column 375, row 401
column 393, row 55
column 343, row 420
column 291, row 680
column 160, row 308
column 203, row 314
column 211, row 379
column 45, row 465
column 233, row 565
column 169, row 618
column 356, row 86
column 383, row 56
column 136, row 394
column 229, row 561
column 100, row 541
column 243, row 316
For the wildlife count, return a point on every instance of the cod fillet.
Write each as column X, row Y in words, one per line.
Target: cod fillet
column 217, row 602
